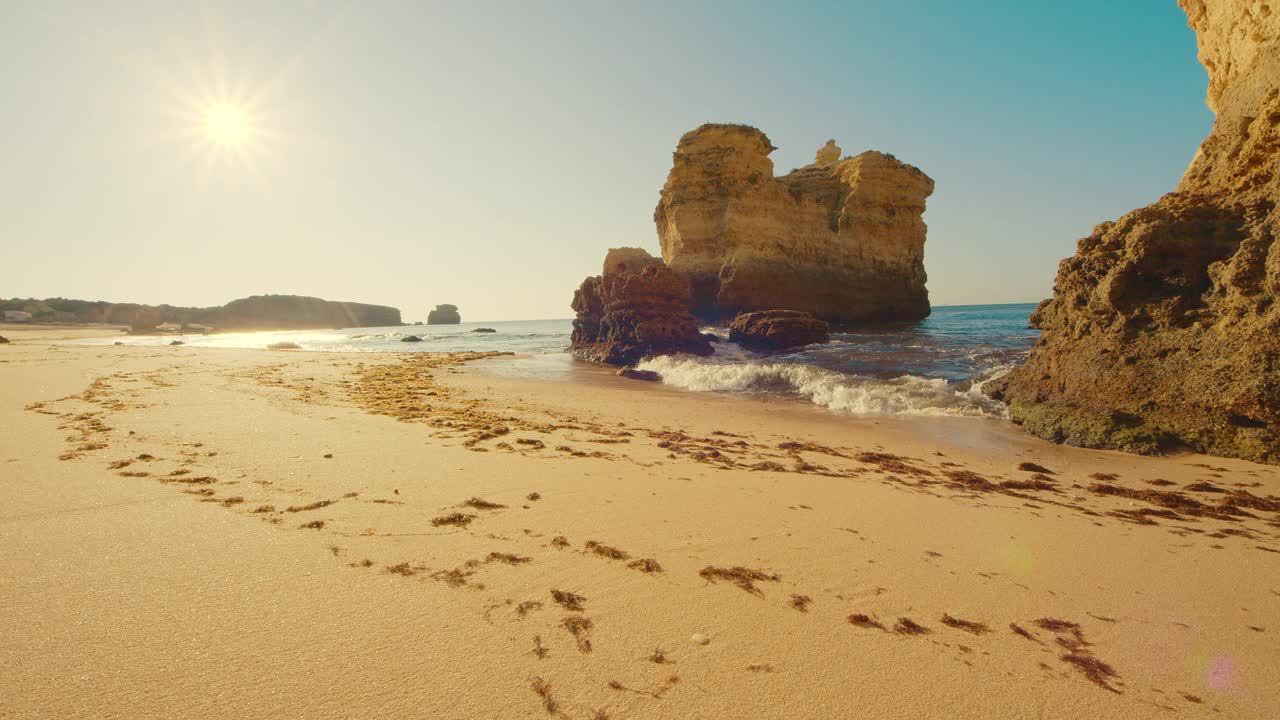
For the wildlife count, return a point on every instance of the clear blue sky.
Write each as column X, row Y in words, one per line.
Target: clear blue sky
column 486, row 154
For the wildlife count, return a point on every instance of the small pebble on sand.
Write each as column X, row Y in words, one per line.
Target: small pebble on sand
column 700, row 639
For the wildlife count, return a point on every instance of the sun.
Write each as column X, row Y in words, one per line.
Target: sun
column 226, row 126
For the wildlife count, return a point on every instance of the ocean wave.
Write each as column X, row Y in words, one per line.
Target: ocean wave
column 735, row 371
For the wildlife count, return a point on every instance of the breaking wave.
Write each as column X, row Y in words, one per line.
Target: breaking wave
column 845, row 392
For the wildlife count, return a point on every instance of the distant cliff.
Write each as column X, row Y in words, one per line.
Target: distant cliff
column 259, row 312
column 841, row 238
column 1164, row 330
column 296, row 311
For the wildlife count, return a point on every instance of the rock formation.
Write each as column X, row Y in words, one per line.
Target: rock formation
column 444, row 315
column 777, row 330
column 637, row 308
column 634, row 374
column 840, row 239
column 1164, row 330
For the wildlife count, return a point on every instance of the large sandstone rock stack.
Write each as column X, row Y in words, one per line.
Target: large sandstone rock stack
column 637, row 308
column 1163, row 330
column 840, row 239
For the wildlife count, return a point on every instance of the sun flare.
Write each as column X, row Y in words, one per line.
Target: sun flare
column 226, row 126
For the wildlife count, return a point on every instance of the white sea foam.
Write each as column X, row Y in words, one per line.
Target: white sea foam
column 731, row 369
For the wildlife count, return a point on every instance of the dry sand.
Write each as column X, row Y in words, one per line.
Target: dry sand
column 196, row 533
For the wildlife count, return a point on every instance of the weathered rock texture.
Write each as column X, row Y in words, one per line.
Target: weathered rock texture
column 259, row 312
column 1163, row 330
column 638, row 308
column 444, row 315
column 778, row 330
column 841, row 239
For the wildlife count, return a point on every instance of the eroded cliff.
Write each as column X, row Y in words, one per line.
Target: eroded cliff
column 1163, row 330
column 842, row 239
column 257, row 312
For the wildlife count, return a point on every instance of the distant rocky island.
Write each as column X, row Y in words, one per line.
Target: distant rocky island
column 258, row 312
column 1164, row 330
column 838, row 241
column 444, row 315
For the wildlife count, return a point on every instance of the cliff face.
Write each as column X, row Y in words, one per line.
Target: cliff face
column 637, row 308
column 1163, row 330
column 842, row 239
column 295, row 311
column 259, row 312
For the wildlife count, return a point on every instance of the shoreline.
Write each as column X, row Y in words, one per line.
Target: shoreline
column 930, row 383
column 761, row 526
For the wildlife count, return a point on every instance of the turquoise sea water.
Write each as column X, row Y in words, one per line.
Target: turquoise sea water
column 934, row 367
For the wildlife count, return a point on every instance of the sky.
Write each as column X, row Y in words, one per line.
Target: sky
column 487, row 154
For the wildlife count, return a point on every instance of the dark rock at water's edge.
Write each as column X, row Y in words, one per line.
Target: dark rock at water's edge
column 117, row 343
column 484, row 330
column 638, row 308
column 177, row 342
column 1164, row 330
column 284, row 345
column 634, row 374
column 444, row 315
column 259, row 312
column 410, row 338
column 841, row 238
column 4, row 340
column 778, row 330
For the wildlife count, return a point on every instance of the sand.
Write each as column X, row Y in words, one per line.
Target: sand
column 204, row 533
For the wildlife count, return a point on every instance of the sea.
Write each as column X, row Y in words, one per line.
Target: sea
column 933, row 367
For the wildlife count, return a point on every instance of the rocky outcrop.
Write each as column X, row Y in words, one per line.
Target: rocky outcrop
column 1164, row 330
column 628, row 260
column 637, row 308
column 778, row 330
column 842, row 239
column 444, row 315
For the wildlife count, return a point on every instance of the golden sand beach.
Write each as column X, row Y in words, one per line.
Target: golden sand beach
column 205, row 533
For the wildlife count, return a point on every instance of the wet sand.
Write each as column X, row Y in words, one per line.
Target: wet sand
column 262, row 534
